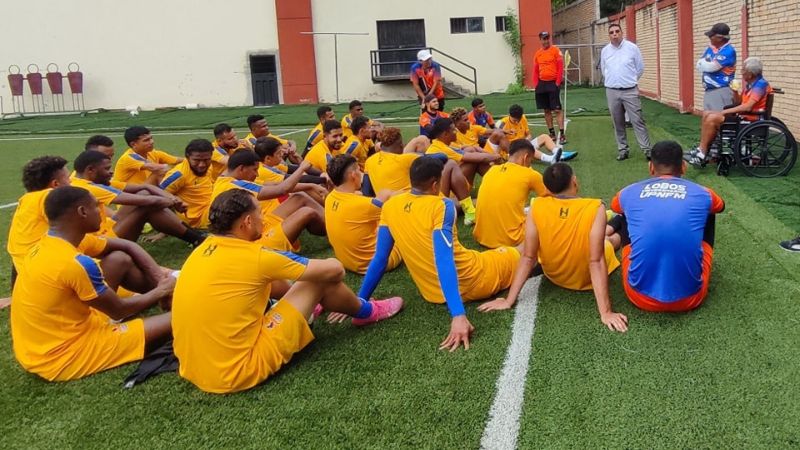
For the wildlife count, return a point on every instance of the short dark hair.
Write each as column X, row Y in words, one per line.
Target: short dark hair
column 253, row 119
column 477, row 102
column 440, row 126
column 39, row 172
column 88, row 158
column 266, row 146
column 62, row 199
column 133, row 133
column 614, row 25
column 359, row 123
column 425, row 170
column 515, row 111
column 227, row 208
column 353, row 104
column 322, row 110
column 338, row 167
column 97, row 140
column 198, row 146
column 557, row 177
column 520, row 145
column 242, row 158
column 331, row 125
column 667, row 155
column 221, row 129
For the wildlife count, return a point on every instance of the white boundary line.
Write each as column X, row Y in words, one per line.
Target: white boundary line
column 502, row 429
column 8, row 205
column 166, row 133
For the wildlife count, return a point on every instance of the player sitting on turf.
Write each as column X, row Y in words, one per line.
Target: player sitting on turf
column 515, row 125
column 747, row 106
column 138, row 203
column 479, row 115
column 503, row 195
column 191, row 181
column 324, row 114
column 324, row 150
column 141, row 163
column 269, row 152
column 260, row 128
column 567, row 235
column 666, row 262
column 469, row 135
column 422, row 224
column 225, row 144
column 283, row 222
column 471, row 160
column 100, row 143
column 352, row 218
column 359, row 145
column 388, row 168
column 63, row 298
column 224, row 339
column 355, row 109
column 430, row 115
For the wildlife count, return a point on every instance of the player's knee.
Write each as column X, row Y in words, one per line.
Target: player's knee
column 117, row 259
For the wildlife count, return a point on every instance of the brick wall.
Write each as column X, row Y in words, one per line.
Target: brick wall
column 572, row 24
column 668, row 44
column 646, row 39
column 705, row 14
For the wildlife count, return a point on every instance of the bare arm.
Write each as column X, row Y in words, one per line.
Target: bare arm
column 125, row 198
column 741, row 108
column 286, row 186
column 599, row 274
column 116, row 308
column 479, row 157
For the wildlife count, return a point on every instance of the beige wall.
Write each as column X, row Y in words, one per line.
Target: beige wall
column 646, row 28
column 667, row 31
column 149, row 53
column 486, row 51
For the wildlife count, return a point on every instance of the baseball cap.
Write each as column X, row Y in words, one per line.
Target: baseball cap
column 544, row 34
column 721, row 29
column 424, row 55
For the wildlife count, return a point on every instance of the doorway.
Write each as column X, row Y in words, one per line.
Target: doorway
column 399, row 41
column 263, row 70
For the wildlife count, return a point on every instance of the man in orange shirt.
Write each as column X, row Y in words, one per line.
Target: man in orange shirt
column 548, row 73
column 426, row 77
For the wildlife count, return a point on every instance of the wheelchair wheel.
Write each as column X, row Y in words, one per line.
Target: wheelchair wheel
column 724, row 165
column 765, row 149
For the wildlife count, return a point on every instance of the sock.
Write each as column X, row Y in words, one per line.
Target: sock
column 365, row 310
column 701, row 153
column 552, row 131
column 193, row 236
column 467, row 205
column 547, row 158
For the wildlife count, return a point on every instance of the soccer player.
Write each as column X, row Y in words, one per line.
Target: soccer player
column 502, row 197
column 283, row 222
column 330, row 146
column 260, row 128
column 225, row 144
column 139, row 203
column 515, row 125
column 431, row 113
column 356, row 109
column 192, row 182
column 352, row 219
column 225, row 338
column 388, row 169
column 100, row 143
column 359, row 145
column 568, row 236
column 548, row 74
column 274, row 170
column 422, row 224
column 63, row 298
column 472, row 161
column 324, row 114
column 141, row 163
column 479, row 115
column 666, row 261
column 470, row 135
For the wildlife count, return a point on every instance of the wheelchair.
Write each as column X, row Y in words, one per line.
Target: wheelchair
column 762, row 148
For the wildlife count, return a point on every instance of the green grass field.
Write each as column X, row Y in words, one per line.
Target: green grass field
column 726, row 375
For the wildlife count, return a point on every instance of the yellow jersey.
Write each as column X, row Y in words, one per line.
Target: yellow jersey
column 514, row 131
column 347, row 120
column 499, row 213
column 218, row 307
column 471, row 136
column 314, row 136
column 451, row 151
column 320, row 155
column 219, row 154
column 351, row 221
column 252, row 139
column 106, row 196
column 225, row 183
column 391, row 171
column 357, row 149
column 129, row 165
column 194, row 190
column 563, row 225
column 269, row 174
column 28, row 225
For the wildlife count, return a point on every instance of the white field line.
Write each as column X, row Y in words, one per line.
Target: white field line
column 8, row 205
column 173, row 133
column 502, row 429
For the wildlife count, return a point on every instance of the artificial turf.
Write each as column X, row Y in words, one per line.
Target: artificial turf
column 726, row 375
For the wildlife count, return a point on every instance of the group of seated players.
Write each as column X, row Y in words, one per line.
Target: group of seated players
column 80, row 279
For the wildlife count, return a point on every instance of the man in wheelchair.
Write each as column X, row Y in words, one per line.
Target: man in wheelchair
column 748, row 106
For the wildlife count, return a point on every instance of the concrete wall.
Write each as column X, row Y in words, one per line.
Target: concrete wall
column 646, row 24
column 486, row 51
column 149, row 53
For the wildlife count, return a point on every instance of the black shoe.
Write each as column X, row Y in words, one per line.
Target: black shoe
column 557, row 155
column 622, row 155
column 792, row 245
column 647, row 154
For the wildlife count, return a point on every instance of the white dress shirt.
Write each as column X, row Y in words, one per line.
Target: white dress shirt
column 621, row 66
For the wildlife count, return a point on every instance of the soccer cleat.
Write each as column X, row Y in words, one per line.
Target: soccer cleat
column 563, row 139
column 791, row 245
column 381, row 310
column 556, row 155
column 694, row 158
column 566, row 156
column 469, row 218
column 552, row 136
column 622, row 155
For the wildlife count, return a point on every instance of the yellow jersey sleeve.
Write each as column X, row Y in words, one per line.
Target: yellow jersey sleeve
column 173, row 181
column 278, row 265
column 85, row 278
column 162, row 157
column 536, row 183
column 318, row 157
column 128, row 165
column 92, row 245
column 118, row 184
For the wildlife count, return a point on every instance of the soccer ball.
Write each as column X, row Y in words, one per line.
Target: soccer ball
column 134, row 113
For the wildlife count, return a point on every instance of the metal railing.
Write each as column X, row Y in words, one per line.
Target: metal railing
column 395, row 64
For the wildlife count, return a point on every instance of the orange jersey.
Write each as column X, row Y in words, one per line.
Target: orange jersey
column 549, row 64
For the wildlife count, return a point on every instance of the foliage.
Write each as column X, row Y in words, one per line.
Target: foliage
column 607, row 7
column 513, row 38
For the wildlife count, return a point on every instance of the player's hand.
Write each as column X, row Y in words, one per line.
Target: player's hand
column 161, row 169
column 336, row 317
column 318, row 192
column 304, row 166
column 460, row 332
column 615, row 321
column 164, row 202
column 498, row 304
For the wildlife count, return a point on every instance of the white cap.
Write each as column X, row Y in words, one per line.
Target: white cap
column 424, row 55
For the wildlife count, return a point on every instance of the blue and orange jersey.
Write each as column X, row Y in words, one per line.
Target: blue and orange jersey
column 758, row 91
column 667, row 220
column 726, row 57
column 483, row 119
column 426, row 121
column 427, row 77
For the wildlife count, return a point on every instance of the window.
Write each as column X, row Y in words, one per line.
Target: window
column 466, row 25
column 501, row 23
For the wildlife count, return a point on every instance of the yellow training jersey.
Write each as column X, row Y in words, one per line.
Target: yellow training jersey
column 471, row 136
column 314, row 136
column 106, row 196
column 269, row 174
column 503, row 195
column 320, row 155
column 514, row 131
column 219, row 154
column 129, row 165
column 357, row 149
column 451, row 151
column 252, row 139
column 218, row 307
column 225, row 183
column 351, row 221
column 391, row 171
column 347, row 120
column 194, row 190
column 28, row 225
column 563, row 225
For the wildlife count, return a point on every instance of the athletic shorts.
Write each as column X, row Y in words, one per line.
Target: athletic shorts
column 497, row 272
column 547, row 96
column 717, row 99
column 647, row 303
column 194, row 222
column 274, row 237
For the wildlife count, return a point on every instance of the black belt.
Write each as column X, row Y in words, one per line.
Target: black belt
column 622, row 89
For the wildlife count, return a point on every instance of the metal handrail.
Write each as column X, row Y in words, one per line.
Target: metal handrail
column 375, row 64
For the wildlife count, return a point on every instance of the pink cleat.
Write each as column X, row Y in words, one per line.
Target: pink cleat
column 381, row 310
column 318, row 310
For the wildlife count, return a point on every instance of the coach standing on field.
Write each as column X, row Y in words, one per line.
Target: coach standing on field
column 718, row 67
column 548, row 73
column 622, row 66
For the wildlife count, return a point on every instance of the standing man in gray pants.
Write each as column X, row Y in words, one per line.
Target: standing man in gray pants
column 622, row 66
